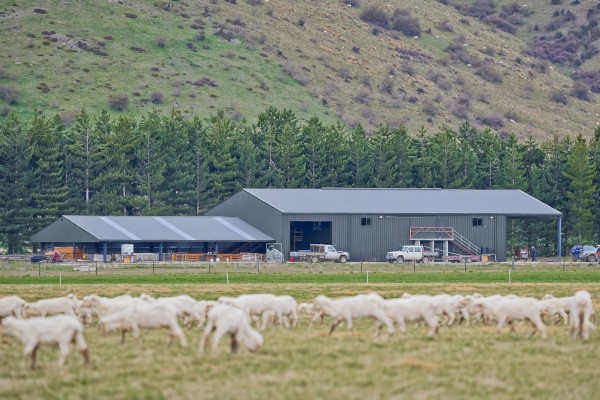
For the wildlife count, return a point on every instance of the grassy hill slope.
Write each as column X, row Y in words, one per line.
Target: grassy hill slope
column 314, row 57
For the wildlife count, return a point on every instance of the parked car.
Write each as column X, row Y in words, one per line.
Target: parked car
column 584, row 253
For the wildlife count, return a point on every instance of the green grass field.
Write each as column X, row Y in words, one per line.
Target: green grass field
column 464, row 362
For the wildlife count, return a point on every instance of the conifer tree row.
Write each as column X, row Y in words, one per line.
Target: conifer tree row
column 158, row 164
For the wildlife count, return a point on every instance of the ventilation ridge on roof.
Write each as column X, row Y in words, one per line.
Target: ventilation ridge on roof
column 120, row 228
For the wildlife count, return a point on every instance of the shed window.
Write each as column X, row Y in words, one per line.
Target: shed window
column 365, row 221
column 477, row 221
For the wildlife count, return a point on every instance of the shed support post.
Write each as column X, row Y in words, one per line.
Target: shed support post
column 445, row 251
column 559, row 236
column 104, row 251
column 160, row 251
column 74, row 253
column 432, row 245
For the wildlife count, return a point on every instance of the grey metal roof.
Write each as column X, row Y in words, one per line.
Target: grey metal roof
column 404, row 201
column 151, row 229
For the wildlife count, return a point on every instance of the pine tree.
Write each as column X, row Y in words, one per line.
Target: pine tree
column 595, row 158
column 45, row 184
column 14, row 160
column 335, row 171
column 151, row 164
column 447, row 159
column 198, row 141
column 314, row 149
column 580, row 174
column 360, row 159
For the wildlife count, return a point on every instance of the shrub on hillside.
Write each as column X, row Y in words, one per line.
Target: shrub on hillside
column 403, row 22
column 375, row 15
column 494, row 121
column 4, row 110
column 157, row 97
column 580, row 91
column 489, row 73
column 10, row 94
column 161, row 42
column 254, row 2
column 559, row 97
column 352, row 3
column 119, row 102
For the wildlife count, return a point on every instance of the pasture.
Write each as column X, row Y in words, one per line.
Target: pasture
column 466, row 362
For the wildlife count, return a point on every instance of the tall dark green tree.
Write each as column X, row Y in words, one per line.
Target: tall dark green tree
column 580, row 196
column 82, row 146
column 336, row 160
column 118, row 191
column 595, row 158
column 15, row 217
column 151, row 163
column 200, row 151
column 314, row 149
column 360, row 159
column 45, row 183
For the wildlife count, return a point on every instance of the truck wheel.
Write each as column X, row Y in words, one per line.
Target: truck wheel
column 343, row 259
column 391, row 260
column 400, row 259
column 592, row 258
column 315, row 259
column 425, row 260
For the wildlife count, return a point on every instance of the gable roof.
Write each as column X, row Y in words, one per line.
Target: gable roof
column 84, row 228
column 404, row 201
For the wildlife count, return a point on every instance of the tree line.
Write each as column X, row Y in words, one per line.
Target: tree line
column 157, row 164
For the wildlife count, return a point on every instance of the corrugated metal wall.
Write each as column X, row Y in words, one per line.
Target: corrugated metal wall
column 254, row 212
column 365, row 242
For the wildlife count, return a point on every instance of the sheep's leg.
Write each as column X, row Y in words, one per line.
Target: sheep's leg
column 176, row 331
column 513, row 328
column 235, row 345
column 123, row 334
column 538, row 325
column 136, row 333
column 31, row 349
column 64, row 348
column 433, row 324
column 335, row 324
column 401, row 325
column 451, row 317
column 501, row 321
column 464, row 314
column 219, row 333
column 207, row 331
column 350, row 326
column 564, row 317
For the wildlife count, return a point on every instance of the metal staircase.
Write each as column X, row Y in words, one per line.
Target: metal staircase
column 444, row 233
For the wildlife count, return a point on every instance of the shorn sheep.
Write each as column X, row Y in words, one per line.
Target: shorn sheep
column 61, row 330
column 12, row 306
column 345, row 309
column 581, row 312
column 149, row 316
column 223, row 320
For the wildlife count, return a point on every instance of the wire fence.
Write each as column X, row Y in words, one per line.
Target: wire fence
column 15, row 267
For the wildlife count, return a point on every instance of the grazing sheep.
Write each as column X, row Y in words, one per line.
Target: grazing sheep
column 511, row 309
column 224, row 319
column 185, row 306
column 61, row 330
column 253, row 304
column 149, row 316
column 581, row 314
column 12, row 306
column 86, row 314
column 105, row 305
column 555, row 308
column 54, row 306
column 412, row 309
column 281, row 308
column 347, row 308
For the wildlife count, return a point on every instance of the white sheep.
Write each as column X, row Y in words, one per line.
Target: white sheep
column 12, row 306
column 105, row 305
column 412, row 309
column 223, row 320
column 53, row 306
column 61, row 330
column 86, row 314
column 185, row 306
column 253, row 304
column 347, row 308
column 581, row 311
column 554, row 307
column 509, row 309
column 149, row 316
column 281, row 308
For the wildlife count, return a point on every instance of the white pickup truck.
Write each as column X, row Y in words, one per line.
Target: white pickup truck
column 323, row 252
column 410, row 253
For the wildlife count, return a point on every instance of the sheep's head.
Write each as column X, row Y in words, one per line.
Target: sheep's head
column 252, row 340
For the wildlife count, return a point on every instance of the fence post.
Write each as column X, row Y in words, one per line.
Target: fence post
column 465, row 264
column 40, row 269
column 361, row 267
column 152, row 267
column 414, row 266
column 96, row 268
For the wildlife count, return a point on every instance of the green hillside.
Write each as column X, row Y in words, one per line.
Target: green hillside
column 497, row 64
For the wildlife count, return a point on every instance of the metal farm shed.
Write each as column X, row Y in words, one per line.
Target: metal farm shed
column 153, row 235
column 370, row 222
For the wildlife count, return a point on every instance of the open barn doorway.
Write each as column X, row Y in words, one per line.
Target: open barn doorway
column 303, row 233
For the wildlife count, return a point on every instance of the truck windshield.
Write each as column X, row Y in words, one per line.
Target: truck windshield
column 404, row 249
column 331, row 249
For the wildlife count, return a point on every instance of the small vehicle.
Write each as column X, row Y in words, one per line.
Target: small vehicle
column 584, row 253
column 323, row 252
column 38, row 258
column 522, row 254
column 410, row 253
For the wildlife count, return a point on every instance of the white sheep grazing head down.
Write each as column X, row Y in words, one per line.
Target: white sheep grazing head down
column 253, row 340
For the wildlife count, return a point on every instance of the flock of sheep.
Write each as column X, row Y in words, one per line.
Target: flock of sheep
column 59, row 321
